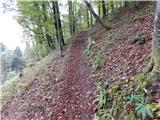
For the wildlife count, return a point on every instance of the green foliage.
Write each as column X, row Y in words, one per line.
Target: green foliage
column 154, row 107
column 96, row 117
column 142, row 110
column 115, row 88
column 133, row 98
column 88, row 50
column 140, row 78
column 96, row 62
column 113, row 36
column 11, row 63
column 130, row 116
column 140, row 103
column 139, row 39
column 102, row 98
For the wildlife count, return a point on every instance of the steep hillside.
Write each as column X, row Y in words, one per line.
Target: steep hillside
column 120, row 55
column 60, row 90
column 65, row 88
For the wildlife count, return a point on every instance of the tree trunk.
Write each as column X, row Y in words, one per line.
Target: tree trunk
column 112, row 7
column 59, row 23
column 99, row 9
column 74, row 20
column 95, row 15
column 91, row 19
column 125, row 3
column 104, row 8
column 87, row 17
column 48, row 37
column 59, row 33
column 154, row 64
column 155, row 58
column 136, row 4
column 70, row 17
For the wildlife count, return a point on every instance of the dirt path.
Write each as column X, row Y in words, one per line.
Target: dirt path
column 49, row 99
column 75, row 102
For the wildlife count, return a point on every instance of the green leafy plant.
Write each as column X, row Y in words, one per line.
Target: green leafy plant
column 134, row 98
column 154, row 107
column 140, row 103
column 102, row 98
column 143, row 110
column 96, row 62
column 96, row 117
column 139, row 39
column 130, row 116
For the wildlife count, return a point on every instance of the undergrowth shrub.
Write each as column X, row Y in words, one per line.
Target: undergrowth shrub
column 139, row 103
column 138, row 39
column 114, row 102
column 95, row 57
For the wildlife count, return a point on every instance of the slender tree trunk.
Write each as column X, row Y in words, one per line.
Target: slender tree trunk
column 125, row 3
column 75, row 23
column 104, row 8
column 136, row 4
column 70, row 17
column 95, row 15
column 74, row 20
column 87, row 17
column 48, row 37
column 99, row 9
column 57, row 24
column 112, row 7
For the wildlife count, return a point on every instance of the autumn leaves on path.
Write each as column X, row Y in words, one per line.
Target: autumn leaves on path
column 51, row 98
column 76, row 92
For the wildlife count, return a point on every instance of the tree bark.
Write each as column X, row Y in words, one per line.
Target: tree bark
column 72, row 21
column 156, row 40
column 57, row 23
column 48, row 37
column 99, row 9
column 87, row 17
column 70, row 17
column 154, row 65
column 155, row 58
column 104, row 8
column 95, row 15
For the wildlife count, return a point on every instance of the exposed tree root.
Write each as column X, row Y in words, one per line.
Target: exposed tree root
column 153, row 85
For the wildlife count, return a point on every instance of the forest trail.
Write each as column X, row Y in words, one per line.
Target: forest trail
column 75, row 102
column 49, row 99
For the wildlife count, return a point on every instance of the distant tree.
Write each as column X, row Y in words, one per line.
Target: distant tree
column 87, row 12
column 2, row 47
column 104, row 8
column 58, row 26
column 17, row 62
column 71, row 18
column 5, row 65
column 95, row 15
column 8, row 5
column 17, row 52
